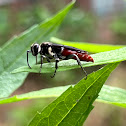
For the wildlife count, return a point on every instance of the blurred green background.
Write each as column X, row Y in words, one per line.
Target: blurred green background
column 91, row 21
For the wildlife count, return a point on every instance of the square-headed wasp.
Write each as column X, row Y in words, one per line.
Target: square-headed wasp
column 59, row 52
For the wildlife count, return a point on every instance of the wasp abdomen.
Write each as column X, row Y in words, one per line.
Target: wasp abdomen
column 83, row 56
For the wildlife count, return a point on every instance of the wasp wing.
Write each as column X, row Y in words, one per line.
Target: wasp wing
column 59, row 46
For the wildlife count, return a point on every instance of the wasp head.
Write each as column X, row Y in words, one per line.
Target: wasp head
column 35, row 49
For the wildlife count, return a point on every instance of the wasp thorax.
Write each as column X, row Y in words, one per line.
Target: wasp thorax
column 46, row 43
column 35, row 49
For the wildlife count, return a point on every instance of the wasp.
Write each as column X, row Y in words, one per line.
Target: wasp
column 58, row 52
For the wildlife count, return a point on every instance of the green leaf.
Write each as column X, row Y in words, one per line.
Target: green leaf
column 74, row 105
column 94, row 48
column 108, row 94
column 13, row 53
column 113, row 95
column 44, row 93
column 99, row 59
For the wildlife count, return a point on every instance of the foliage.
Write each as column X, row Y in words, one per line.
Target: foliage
column 74, row 105
column 35, row 13
column 41, row 32
column 78, row 25
column 82, row 95
column 119, row 26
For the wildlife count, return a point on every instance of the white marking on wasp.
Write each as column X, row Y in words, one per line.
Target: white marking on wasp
column 39, row 49
column 50, row 51
column 57, row 59
column 62, row 48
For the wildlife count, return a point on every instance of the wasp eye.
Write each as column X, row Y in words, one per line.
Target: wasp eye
column 35, row 49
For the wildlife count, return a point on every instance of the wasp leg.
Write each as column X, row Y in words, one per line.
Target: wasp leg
column 48, row 60
column 28, row 51
column 56, row 65
column 41, row 63
column 36, row 59
column 78, row 61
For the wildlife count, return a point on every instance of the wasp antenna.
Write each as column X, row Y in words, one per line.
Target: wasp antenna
column 28, row 51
